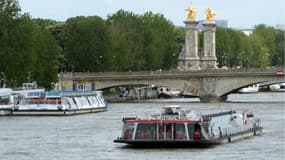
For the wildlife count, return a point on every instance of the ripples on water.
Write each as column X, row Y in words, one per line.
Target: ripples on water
column 91, row 136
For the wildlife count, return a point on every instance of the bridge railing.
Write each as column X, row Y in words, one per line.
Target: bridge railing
column 212, row 72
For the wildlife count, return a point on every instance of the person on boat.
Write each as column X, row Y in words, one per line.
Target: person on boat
column 197, row 133
column 168, row 111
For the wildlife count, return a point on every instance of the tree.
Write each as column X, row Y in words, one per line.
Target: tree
column 86, row 44
column 143, row 42
column 259, row 56
column 267, row 35
column 127, row 40
column 26, row 48
column 278, row 58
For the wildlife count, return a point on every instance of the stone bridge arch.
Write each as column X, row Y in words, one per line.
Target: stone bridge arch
column 221, row 87
column 208, row 85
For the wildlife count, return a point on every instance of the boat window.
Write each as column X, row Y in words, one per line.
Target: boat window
column 70, row 102
column 30, row 101
column 197, row 132
column 205, row 126
column 160, row 131
column 128, row 130
column 4, row 100
column 53, row 101
column 180, row 131
column 99, row 99
column 74, row 101
column 190, row 130
column 145, row 131
column 84, row 101
column 169, row 131
column 89, row 100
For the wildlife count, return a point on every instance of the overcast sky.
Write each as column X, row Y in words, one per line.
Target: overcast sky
column 241, row 14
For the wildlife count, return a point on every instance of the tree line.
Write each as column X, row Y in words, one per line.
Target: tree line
column 38, row 49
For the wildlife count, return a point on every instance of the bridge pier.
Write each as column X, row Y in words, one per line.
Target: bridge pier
column 208, row 90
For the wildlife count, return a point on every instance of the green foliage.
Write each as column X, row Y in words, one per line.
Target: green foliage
column 160, row 47
column 127, row 42
column 85, row 40
column 265, row 46
column 146, row 42
column 278, row 58
column 25, row 48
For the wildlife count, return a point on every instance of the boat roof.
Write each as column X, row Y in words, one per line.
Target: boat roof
column 55, row 94
column 5, row 91
column 183, row 116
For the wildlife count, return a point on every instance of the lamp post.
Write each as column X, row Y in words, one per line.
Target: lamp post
column 242, row 58
column 29, row 77
column 114, row 62
column 3, row 79
column 101, row 63
column 173, row 60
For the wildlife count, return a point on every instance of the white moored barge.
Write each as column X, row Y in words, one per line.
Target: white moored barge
column 60, row 103
column 6, row 101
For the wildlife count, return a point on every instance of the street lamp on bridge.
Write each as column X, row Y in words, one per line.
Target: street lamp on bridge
column 3, row 80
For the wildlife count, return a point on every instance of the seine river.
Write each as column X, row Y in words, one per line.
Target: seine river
column 90, row 136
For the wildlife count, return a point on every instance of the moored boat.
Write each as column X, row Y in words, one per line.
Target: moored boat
column 175, row 127
column 60, row 103
column 250, row 89
column 6, row 101
column 164, row 92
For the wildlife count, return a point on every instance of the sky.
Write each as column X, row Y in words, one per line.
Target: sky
column 241, row 14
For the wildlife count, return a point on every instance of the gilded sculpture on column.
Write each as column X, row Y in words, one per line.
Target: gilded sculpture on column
column 191, row 12
column 210, row 15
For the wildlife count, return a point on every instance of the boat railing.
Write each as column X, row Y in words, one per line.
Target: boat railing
column 128, row 118
column 60, row 93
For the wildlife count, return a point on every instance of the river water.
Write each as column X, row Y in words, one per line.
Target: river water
column 90, row 136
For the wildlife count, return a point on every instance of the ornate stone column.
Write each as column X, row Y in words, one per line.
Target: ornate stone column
column 191, row 59
column 208, row 58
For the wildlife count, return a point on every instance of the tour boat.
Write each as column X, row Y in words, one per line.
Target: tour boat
column 60, row 103
column 6, row 101
column 164, row 92
column 175, row 127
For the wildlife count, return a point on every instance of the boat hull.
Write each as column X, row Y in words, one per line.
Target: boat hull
column 56, row 112
column 5, row 111
column 190, row 143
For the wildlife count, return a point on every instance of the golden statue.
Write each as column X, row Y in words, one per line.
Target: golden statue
column 191, row 12
column 210, row 15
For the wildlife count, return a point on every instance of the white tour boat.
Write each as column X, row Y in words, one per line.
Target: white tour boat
column 6, row 101
column 60, row 103
column 175, row 127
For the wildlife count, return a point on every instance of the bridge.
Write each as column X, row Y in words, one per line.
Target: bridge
column 209, row 85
